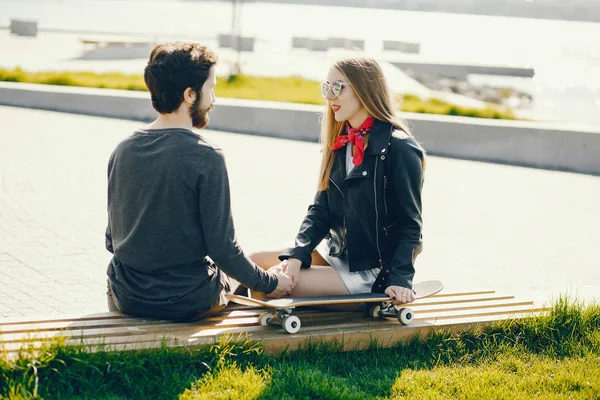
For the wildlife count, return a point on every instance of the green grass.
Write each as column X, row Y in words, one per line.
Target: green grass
column 414, row 104
column 113, row 80
column 553, row 356
column 291, row 89
column 509, row 376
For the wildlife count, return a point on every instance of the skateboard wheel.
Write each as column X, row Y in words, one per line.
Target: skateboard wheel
column 265, row 318
column 405, row 316
column 375, row 311
column 291, row 324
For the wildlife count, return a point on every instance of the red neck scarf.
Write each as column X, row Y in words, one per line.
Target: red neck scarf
column 356, row 137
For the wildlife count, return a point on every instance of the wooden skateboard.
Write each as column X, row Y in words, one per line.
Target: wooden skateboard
column 281, row 309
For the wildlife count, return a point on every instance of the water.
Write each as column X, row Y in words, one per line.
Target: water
column 564, row 54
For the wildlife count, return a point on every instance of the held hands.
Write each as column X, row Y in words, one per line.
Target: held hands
column 284, row 282
column 400, row 295
column 293, row 270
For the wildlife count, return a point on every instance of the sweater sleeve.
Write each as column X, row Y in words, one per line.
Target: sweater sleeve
column 107, row 233
column 219, row 231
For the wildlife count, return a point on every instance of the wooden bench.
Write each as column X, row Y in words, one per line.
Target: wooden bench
column 115, row 331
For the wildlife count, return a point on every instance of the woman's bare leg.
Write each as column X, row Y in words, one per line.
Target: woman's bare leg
column 267, row 259
column 319, row 280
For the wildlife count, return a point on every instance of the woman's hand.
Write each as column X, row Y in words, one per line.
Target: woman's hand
column 400, row 295
column 293, row 270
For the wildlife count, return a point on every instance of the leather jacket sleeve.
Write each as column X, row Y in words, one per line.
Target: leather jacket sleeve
column 406, row 179
column 313, row 229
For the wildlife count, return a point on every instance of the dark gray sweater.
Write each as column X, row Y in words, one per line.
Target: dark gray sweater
column 169, row 214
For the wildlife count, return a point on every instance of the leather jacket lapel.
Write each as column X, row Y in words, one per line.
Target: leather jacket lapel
column 338, row 170
column 379, row 138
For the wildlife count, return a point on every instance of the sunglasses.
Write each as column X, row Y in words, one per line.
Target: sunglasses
column 334, row 88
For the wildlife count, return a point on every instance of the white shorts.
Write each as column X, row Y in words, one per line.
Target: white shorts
column 356, row 282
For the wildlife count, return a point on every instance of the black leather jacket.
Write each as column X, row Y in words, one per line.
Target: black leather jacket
column 374, row 212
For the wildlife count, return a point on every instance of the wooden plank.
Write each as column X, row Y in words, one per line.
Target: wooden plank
column 351, row 340
column 256, row 333
column 233, row 318
column 474, row 306
column 107, row 319
column 366, row 323
column 456, row 309
column 93, row 330
column 367, row 327
column 188, row 338
column 270, row 336
column 125, row 332
column 238, row 317
column 455, row 294
column 80, row 324
column 477, row 313
column 61, row 318
column 115, row 316
column 35, row 319
column 129, row 331
column 245, row 319
column 75, row 318
column 67, row 325
column 201, row 328
column 432, row 301
column 359, row 338
column 336, row 320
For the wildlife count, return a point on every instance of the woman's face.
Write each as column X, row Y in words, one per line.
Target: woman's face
column 340, row 96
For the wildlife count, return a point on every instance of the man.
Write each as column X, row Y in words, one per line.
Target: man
column 169, row 210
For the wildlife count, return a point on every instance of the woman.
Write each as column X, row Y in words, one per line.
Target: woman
column 363, row 231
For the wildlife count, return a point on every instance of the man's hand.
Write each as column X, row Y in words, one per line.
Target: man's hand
column 284, row 282
column 400, row 295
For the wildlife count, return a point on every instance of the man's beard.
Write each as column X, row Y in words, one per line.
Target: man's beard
column 199, row 117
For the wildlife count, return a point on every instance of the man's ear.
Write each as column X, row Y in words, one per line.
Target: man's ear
column 189, row 95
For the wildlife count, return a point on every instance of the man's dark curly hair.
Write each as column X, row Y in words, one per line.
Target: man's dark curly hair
column 174, row 67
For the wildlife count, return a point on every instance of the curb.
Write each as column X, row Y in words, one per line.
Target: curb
column 521, row 143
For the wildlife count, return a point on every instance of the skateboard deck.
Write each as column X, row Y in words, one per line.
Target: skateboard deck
column 281, row 309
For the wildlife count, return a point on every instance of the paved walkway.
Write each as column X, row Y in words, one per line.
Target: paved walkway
column 522, row 231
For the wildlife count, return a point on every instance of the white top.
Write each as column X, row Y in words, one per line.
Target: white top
column 349, row 163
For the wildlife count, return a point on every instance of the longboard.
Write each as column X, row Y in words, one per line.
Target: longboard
column 281, row 309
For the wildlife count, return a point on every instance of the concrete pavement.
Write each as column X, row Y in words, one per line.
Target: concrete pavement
column 528, row 232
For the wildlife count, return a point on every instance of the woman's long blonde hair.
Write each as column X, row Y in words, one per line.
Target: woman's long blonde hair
column 369, row 84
